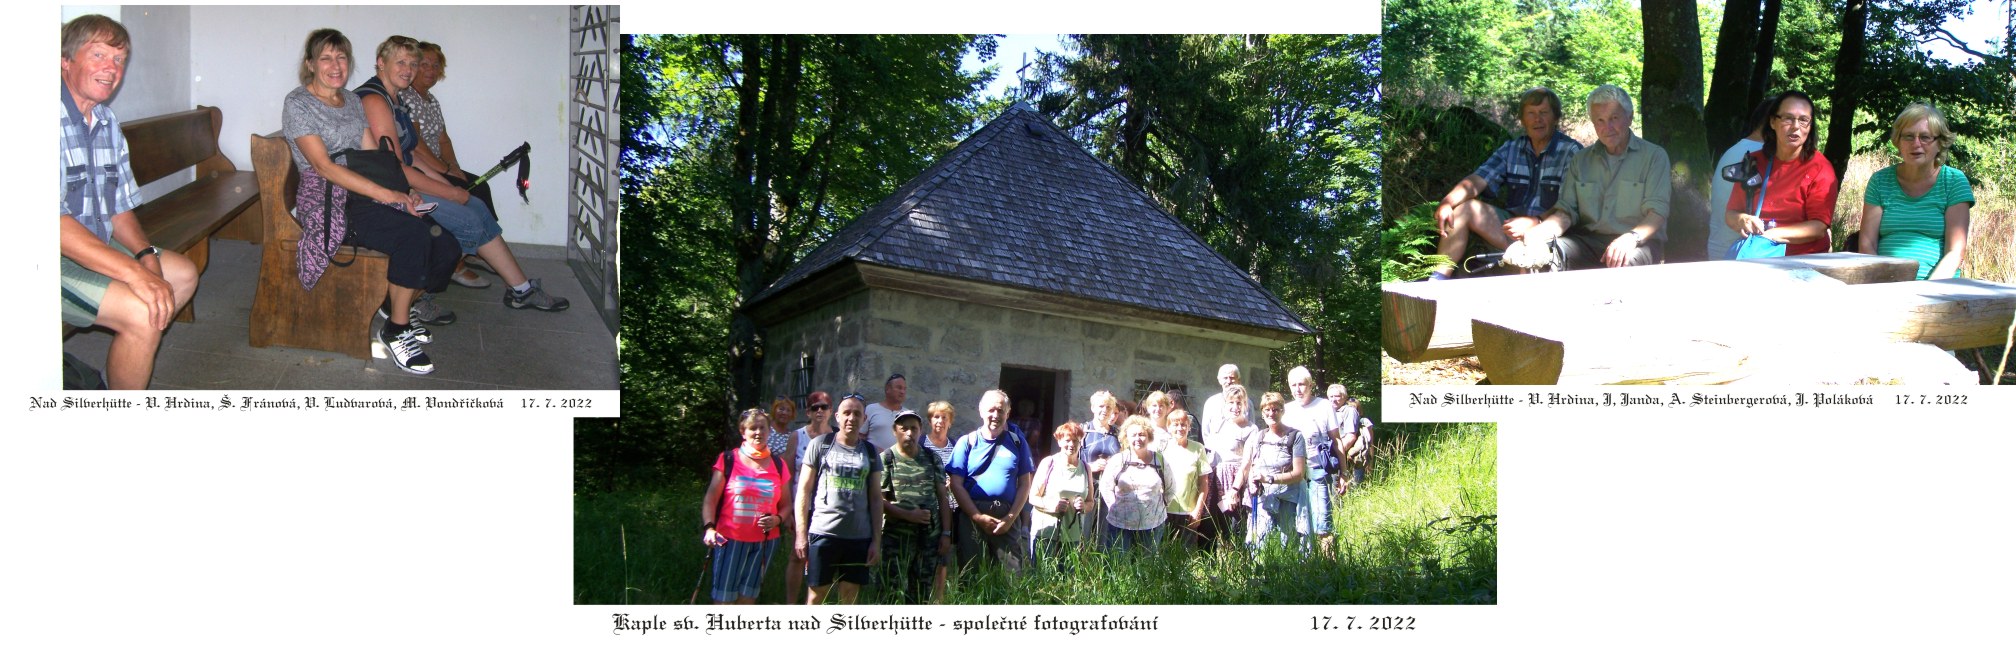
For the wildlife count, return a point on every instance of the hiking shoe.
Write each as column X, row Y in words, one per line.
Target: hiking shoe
column 469, row 278
column 426, row 311
column 406, row 352
column 420, row 333
column 535, row 298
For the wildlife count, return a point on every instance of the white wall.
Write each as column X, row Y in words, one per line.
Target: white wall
column 157, row 74
column 507, row 83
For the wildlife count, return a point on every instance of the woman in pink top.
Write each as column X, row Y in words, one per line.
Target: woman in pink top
column 1136, row 506
column 744, row 510
column 1794, row 203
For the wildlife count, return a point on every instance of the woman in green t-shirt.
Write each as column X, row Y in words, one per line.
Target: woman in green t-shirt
column 1918, row 208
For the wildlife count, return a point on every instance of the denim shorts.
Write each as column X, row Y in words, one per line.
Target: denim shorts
column 470, row 224
column 1316, row 504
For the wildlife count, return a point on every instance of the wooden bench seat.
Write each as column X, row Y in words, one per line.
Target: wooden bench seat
column 336, row 316
column 184, row 219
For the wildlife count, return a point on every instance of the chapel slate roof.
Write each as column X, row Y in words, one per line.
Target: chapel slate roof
column 1020, row 204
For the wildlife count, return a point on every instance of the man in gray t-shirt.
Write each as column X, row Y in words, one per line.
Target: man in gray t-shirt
column 840, row 507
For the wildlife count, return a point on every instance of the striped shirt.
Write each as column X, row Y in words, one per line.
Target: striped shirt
column 1528, row 183
column 1915, row 228
column 96, row 171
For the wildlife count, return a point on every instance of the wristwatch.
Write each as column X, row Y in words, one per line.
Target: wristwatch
column 149, row 250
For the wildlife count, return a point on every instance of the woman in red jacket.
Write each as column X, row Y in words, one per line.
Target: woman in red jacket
column 1793, row 203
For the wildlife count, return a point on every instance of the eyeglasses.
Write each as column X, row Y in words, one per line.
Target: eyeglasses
column 1921, row 138
column 818, row 406
column 856, row 396
column 1794, row 120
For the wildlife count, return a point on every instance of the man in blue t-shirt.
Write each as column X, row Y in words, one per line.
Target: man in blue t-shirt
column 990, row 471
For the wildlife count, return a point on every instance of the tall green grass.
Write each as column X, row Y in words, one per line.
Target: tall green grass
column 1422, row 529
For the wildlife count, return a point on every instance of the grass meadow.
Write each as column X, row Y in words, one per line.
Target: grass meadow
column 1422, row 529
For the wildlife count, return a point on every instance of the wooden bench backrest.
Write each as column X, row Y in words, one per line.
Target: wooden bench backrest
column 165, row 144
column 278, row 180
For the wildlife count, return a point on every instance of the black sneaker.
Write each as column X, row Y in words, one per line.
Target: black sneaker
column 534, row 298
column 405, row 351
column 420, row 333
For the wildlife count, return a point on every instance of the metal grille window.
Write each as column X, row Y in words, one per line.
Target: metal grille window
column 1143, row 388
column 802, row 381
column 593, row 145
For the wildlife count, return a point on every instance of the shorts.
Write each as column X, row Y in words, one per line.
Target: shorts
column 1316, row 499
column 471, row 224
column 1276, row 514
column 83, row 290
column 738, row 569
column 830, row 559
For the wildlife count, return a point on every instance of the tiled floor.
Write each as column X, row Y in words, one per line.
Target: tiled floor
column 490, row 346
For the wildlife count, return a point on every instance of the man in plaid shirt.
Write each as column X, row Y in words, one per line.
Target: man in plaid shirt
column 111, row 276
column 1524, row 173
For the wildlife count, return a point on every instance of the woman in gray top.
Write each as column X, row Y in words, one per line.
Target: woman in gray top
column 322, row 122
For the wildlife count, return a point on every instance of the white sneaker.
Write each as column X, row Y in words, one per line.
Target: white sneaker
column 406, row 352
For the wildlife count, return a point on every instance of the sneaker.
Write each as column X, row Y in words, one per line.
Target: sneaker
column 470, row 279
column 406, row 352
column 426, row 311
column 535, row 298
column 420, row 333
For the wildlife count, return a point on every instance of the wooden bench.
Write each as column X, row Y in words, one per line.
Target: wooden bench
column 184, row 220
column 336, row 316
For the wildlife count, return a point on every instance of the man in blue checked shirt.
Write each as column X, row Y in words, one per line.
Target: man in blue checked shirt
column 1525, row 173
column 111, row 276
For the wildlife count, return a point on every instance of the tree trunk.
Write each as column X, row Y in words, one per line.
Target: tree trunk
column 1847, row 86
column 1734, row 46
column 1767, row 45
column 1670, row 104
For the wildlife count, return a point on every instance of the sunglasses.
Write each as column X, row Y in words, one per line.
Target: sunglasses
column 819, row 406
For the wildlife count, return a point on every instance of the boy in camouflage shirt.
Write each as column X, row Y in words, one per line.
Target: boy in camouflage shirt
column 918, row 526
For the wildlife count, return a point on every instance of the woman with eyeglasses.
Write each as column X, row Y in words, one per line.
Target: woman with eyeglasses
column 818, row 422
column 1919, row 208
column 745, row 511
column 1793, row 201
column 1276, row 460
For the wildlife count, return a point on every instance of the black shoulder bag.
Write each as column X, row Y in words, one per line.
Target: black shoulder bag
column 381, row 166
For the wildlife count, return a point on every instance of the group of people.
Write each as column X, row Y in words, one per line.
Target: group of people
column 1569, row 207
column 113, row 277
column 873, row 488
column 424, row 230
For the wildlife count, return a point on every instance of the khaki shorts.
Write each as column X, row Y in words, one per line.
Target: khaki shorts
column 84, row 290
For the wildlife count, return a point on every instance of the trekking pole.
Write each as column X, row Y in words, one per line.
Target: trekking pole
column 517, row 157
column 703, row 576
